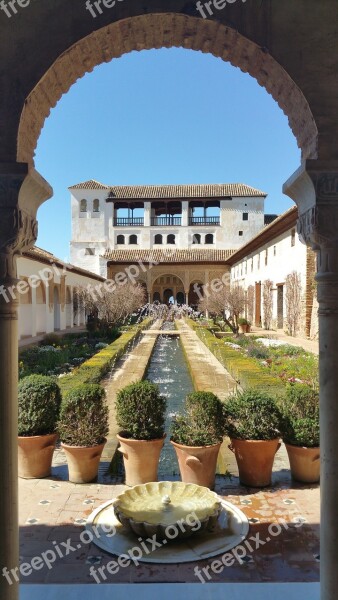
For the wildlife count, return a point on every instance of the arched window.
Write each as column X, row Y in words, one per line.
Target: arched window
column 196, row 238
column 133, row 239
column 171, row 239
column 96, row 205
column 209, row 238
column 83, row 206
column 158, row 239
column 120, row 239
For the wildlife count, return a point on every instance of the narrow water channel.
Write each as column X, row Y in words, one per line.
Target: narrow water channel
column 168, row 368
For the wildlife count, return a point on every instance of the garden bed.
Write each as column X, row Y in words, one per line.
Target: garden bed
column 59, row 355
column 248, row 371
column 95, row 368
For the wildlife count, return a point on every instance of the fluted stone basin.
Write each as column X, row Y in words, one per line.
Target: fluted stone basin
column 171, row 510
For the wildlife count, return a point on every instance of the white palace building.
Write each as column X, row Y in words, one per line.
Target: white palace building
column 188, row 231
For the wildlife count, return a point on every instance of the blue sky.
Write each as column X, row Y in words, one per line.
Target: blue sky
column 162, row 116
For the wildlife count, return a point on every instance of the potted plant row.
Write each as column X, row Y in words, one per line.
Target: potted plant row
column 140, row 413
column 197, row 436
column 253, row 421
column 39, row 401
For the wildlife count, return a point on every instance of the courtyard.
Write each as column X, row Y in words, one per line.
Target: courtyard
column 283, row 540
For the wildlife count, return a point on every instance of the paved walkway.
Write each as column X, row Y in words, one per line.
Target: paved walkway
column 207, row 372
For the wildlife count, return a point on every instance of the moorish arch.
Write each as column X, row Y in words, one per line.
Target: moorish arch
column 167, row 285
column 287, row 47
column 163, row 31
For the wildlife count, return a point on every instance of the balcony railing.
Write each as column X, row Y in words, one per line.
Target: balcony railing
column 204, row 221
column 125, row 222
column 166, row 221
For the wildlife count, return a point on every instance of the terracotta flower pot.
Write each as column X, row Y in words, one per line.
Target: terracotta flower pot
column 304, row 463
column 35, row 455
column 83, row 462
column 255, row 460
column 197, row 463
column 140, row 458
column 243, row 328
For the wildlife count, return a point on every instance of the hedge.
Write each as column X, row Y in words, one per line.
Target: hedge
column 243, row 369
column 94, row 369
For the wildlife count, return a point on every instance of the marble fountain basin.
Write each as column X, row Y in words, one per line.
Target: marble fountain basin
column 166, row 508
column 138, row 514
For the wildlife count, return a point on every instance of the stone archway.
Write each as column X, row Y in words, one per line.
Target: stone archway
column 195, row 293
column 167, row 285
column 275, row 45
column 164, row 31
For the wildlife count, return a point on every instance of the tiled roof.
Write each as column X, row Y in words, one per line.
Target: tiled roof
column 221, row 190
column 168, row 255
column 89, row 185
column 37, row 253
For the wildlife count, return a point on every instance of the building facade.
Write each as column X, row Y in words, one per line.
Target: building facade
column 177, row 235
column 267, row 260
column 45, row 293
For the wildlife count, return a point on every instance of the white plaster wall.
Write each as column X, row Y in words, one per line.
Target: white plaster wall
column 283, row 258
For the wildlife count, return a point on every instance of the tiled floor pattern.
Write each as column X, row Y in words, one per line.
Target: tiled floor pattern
column 53, row 513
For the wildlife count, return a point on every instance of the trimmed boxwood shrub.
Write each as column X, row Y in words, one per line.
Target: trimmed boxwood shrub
column 84, row 416
column 300, row 410
column 202, row 424
column 252, row 415
column 39, row 400
column 140, row 411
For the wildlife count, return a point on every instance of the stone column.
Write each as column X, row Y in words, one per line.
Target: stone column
column 315, row 189
column 147, row 214
column 17, row 230
column 185, row 213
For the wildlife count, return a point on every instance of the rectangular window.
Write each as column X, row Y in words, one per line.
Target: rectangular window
column 266, row 257
column 240, row 233
column 258, row 261
column 274, row 250
column 252, row 265
column 293, row 237
column 90, row 252
column 245, row 216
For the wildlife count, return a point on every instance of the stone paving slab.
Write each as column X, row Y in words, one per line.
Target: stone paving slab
column 53, row 511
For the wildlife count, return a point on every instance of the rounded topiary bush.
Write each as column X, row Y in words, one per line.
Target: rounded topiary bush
column 252, row 415
column 84, row 416
column 300, row 410
column 203, row 421
column 140, row 411
column 39, row 399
